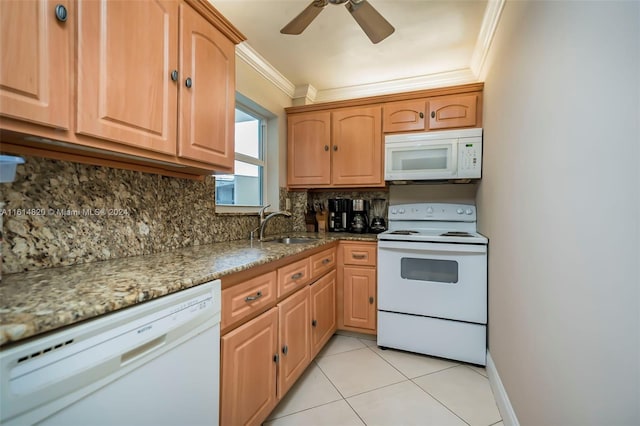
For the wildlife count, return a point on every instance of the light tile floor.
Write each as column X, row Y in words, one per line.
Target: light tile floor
column 353, row 382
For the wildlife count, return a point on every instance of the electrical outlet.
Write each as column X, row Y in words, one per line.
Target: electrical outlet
column 287, row 204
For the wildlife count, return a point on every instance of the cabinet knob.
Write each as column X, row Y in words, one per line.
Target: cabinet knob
column 61, row 13
column 433, row 114
column 314, row 323
column 276, row 358
column 371, row 300
column 285, row 349
column 326, row 147
column 188, row 82
column 421, row 114
column 335, row 147
column 174, row 75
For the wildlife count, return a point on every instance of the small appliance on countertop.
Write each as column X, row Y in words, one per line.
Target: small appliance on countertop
column 339, row 214
column 378, row 209
column 359, row 218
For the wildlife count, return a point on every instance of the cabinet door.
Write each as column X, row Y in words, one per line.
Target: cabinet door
column 357, row 147
column 207, row 92
column 248, row 371
column 359, row 297
column 294, row 332
column 323, row 311
column 126, row 53
column 404, row 116
column 308, row 144
column 35, row 70
column 453, row 111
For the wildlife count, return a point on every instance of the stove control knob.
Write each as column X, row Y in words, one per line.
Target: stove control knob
column 401, row 211
column 394, row 211
column 469, row 211
column 429, row 210
column 459, row 211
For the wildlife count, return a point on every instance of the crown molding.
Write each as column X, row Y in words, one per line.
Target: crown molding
column 485, row 35
column 451, row 78
column 247, row 54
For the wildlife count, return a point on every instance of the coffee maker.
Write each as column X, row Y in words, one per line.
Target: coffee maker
column 359, row 219
column 339, row 214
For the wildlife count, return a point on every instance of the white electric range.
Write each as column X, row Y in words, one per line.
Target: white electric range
column 432, row 282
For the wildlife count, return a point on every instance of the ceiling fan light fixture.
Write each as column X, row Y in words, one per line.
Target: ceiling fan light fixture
column 372, row 23
column 304, row 18
column 370, row 20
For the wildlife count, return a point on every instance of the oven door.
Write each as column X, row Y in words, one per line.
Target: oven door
column 437, row 280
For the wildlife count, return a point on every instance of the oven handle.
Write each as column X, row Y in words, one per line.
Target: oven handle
column 431, row 247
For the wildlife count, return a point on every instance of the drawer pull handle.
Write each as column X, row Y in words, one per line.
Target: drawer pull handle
column 359, row 256
column 297, row 276
column 325, row 261
column 252, row 298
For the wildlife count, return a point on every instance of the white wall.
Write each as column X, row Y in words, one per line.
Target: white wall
column 559, row 201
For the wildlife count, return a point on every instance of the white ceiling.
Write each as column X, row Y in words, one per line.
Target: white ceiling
column 436, row 43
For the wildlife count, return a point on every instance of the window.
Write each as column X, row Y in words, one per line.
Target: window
column 247, row 186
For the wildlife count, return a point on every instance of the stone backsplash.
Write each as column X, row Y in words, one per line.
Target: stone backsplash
column 62, row 213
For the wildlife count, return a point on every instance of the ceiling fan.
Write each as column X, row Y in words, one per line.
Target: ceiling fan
column 372, row 23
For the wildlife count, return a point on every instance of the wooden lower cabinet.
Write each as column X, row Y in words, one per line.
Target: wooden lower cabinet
column 294, row 336
column 248, row 373
column 359, row 297
column 357, row 286
column 323, row 311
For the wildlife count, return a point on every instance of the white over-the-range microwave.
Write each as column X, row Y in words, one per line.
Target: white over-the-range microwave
column 440, row 155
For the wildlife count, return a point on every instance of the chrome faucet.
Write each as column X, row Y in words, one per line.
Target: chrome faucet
column 264, row 220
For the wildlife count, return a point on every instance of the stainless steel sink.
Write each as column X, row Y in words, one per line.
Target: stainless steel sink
column 294, row 240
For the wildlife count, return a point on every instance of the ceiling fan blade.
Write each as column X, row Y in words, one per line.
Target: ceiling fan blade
column 372, row 23
column 302, row 21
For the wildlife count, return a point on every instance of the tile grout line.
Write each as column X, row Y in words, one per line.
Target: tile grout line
column 338, row 353
column 477, row 372
column 302, row 411
column 440, row 402
column 340, row 393
column 410, row 378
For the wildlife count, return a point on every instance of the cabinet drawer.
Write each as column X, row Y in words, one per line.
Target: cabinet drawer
column 293, row 276
column 242, row 300
column 360, row 254
column 322, row 262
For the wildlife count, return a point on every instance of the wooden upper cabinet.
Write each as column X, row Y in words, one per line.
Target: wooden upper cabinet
column 35, row 77
column 126, row 53
column 357, row 147
column 308, row 149
column 207, row 92
column 447, row 112
column 404, row 116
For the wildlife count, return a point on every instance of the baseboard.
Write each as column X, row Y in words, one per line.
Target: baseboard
column 502, row 399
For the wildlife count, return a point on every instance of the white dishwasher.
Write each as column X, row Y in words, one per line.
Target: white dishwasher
column 157, row 363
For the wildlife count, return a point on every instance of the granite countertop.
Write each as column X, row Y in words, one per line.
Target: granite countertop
column 36, row 302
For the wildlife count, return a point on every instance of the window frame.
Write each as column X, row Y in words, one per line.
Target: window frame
column 251, row 108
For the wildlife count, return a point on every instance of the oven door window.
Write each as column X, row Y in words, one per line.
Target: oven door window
column 434, row 270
